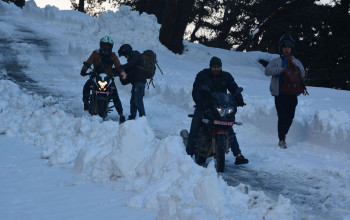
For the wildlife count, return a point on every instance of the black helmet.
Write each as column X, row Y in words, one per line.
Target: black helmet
column 125, row 50
column 285, row 40
column 106, row 45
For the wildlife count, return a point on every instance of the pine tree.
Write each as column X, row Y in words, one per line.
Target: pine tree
column 176, row 16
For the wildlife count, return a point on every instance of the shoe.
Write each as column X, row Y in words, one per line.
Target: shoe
column 184, row 134
column 86, row 107
column 282, row 144
column 240, row 159
column 122, row 119
column 131, row 118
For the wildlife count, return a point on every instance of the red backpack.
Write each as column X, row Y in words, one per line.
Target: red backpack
column 293, row 83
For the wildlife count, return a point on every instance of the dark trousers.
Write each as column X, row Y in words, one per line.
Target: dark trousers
column 114, row 94
column 285, row 106
column 195, row 125
column 136, row 100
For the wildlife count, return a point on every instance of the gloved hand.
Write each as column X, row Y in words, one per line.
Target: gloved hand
column 115, row 72
column 242, row 104
column 83, row 73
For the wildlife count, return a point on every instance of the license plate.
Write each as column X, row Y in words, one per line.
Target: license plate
column 223, row 123
column 98, row 92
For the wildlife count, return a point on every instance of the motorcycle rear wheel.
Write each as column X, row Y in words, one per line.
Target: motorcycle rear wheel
column 200, row 160
column 220, row 154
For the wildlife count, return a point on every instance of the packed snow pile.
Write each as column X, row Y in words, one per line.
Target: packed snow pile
column 158, row 171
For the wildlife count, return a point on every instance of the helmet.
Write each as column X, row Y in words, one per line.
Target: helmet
column 106, row 45
column 125, row 50
column 285, row 40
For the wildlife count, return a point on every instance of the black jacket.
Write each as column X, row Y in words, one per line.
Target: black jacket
column 132, row 68
column 220, row 83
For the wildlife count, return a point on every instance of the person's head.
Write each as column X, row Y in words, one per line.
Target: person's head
column 106, row 45
column 125, row 50
column 215, row 65
column 286, row 45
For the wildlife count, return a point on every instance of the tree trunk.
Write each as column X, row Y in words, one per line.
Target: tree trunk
column 175, row 19
column 81, row 6
column 154, row 7
column 345, row 5
column 19, row 3
column 196, row 28
column 225, row 27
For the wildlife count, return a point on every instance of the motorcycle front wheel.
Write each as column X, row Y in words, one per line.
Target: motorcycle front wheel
column 93, row 105
column 102, row 106
column 220, row 152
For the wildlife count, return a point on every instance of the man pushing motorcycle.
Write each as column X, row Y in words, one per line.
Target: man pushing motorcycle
column 215, row 81
column 103, row 60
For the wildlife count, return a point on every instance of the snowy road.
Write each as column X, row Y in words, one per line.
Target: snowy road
column 15, row 68
column 304, row 173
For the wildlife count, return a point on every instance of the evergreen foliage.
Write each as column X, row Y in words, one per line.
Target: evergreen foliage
column 321, row 32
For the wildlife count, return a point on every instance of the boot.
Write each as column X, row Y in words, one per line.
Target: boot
column 86, row 106
column 240, row 159
column 131, row 118
column 282, row 144
column 184, row 135
column 121, row 119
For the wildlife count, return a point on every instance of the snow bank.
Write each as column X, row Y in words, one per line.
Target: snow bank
column 328, row 127
column 159, row 172
column 164, row 177
column 41, row 122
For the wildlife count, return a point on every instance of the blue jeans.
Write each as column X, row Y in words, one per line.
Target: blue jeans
column 136, row 101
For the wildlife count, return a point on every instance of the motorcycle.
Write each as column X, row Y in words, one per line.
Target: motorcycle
column 213, row 136
column 100, row 93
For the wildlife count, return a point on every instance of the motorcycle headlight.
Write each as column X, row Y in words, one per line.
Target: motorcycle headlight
column 102, row 85
column 224, row 112
column 221, row 111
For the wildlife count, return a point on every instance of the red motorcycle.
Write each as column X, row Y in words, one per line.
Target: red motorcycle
column 213, row 136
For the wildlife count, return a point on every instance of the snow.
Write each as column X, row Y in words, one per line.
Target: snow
column 61, row 4
column 59, row 162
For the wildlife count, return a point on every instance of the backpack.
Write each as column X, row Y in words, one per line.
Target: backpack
column 149, row 65
column 293, row 83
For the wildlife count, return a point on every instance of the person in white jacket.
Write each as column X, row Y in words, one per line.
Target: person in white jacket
column 285, row 104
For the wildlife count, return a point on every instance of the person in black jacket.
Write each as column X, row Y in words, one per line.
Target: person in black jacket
column 217, row 81
column 136, row 76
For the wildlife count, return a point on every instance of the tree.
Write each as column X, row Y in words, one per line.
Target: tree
column 154, row 7
column 19, row 3
column 229, row 19
column 264, row 25
column 81, row 6
column 176, row 16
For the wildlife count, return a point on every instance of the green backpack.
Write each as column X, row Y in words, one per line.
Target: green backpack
column 149, row 65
